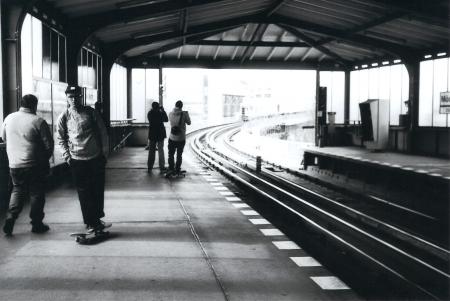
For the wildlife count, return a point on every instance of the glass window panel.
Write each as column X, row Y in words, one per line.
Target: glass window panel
column 439, row 85
column 426, row 93
column 112, row 92
column 385, row 82
column 46, row 60
column 94, row 68
column 354, row 96
column 363, row 85
column 138, row 95
column 338, row 95
column 405, row 90
column 26, row 56
column 84, row 63
column 374, row 83
column 80, row 68
column 90, row 71
column 396, row 94
column 62, row 59
column 326, row 81
column 99, row 78
column 59, row 105
column 37, row 46
column 151, row 90
column 54, row 55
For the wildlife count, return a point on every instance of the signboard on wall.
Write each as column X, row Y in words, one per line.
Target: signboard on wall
column 445, row 103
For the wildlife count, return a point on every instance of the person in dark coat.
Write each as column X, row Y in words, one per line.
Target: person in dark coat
column 156, row 135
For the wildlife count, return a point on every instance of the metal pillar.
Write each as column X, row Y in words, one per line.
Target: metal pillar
column 413, row 68
column 13, row 14
column 347, row 98
column 129, row 94
column 161, row 88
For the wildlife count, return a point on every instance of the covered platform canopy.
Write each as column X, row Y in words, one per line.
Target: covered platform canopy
column 234, row 33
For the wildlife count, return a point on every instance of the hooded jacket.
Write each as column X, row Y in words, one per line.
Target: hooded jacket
column 174, row 118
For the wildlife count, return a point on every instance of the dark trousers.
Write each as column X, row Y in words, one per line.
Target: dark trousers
column 178, row 147
column 89, row 179
column 27, row 184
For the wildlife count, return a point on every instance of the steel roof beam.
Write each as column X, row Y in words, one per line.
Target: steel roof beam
column 427, row 11
column 122, row 46
column 174, row 45
column 95, row 22
column 247, row 43
column 273, row 9
column 257, row 35
column 379, row 21
column 357, row 40
column 314, row 44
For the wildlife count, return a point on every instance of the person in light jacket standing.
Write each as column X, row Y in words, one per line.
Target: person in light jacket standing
column 156, row 135
column 177, row 138
column 29, row 145
column 83, row 138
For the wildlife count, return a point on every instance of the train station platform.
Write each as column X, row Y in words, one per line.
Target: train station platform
column 190, row 238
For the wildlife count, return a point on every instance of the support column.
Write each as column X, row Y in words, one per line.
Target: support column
column 129, row 94
column 413, row 68
column 161, row 87
column 106, row 71
column 13, row 14
column 316, row 123
column 347, row 98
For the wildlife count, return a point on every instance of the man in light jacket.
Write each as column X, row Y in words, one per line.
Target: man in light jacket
column 83, row 138
column 177, row 138
column 29, row 145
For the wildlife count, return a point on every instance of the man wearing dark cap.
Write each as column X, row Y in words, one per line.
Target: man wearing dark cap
column 83, row 138
column 29, row 145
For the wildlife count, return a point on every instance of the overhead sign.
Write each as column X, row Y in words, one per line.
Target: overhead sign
column 445, row 103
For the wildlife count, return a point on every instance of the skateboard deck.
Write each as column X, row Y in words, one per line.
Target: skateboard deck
column 174, row 174
column 89, row 238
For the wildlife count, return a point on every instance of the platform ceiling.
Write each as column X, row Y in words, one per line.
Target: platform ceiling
column 238, row 32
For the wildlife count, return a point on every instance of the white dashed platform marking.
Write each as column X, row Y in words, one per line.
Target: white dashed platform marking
column 259, row 221
column 330, row 283
column 221, row 188
column 271, row 232
column 211, row 180
column 286, row 245
column 226, row 193
column 249, row 212
column 306, row 261
column 241, row 205
column 216, row 183
column 232, row 199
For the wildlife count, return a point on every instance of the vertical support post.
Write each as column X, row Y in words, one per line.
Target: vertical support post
column 161, row 87
column 413, row 68
column 13, row 14
column 347, row 98
column 129, row 93
column 106, row 66
column 316, row 123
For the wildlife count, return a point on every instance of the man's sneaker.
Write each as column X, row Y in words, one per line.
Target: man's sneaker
column 9, row 226
column 40, row 228
column 101, row 226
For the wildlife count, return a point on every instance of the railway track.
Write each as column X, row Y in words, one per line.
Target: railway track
column 393, row 250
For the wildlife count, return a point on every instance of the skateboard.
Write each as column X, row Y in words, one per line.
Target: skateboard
column 175, row 174
column 91, row 237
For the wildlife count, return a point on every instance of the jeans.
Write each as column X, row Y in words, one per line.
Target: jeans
column 151, row 154
column 176, row 146
column 27, row 183
column 89, row 179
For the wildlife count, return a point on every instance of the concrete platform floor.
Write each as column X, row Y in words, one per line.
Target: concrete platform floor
column 180, row 239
